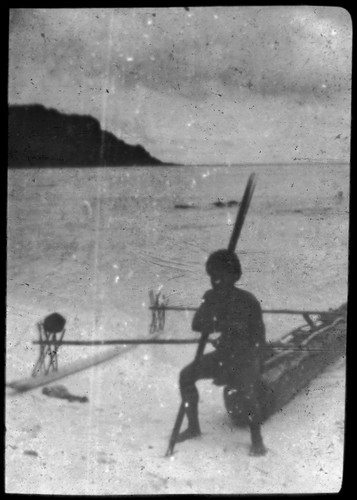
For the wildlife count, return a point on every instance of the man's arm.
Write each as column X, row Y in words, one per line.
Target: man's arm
column 204, row 319
column 258, row 330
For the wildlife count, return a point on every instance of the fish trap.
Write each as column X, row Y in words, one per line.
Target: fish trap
column 51, row 332
column 158, row 304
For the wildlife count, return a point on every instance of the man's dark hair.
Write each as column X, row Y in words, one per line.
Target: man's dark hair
column 224, row 261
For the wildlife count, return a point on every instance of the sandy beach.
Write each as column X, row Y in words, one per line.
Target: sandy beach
column 90, row 244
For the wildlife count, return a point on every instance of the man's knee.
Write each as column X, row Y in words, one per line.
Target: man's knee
column 254, row 409
column 187, row 376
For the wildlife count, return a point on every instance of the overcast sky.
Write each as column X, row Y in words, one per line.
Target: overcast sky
column 207, row 85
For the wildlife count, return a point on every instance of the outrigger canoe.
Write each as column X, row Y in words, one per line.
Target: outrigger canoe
column 292, row 362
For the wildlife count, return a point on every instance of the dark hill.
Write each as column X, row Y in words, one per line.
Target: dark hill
column 41, row 137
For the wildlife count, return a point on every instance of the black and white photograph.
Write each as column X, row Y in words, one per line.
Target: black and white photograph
column 178, row 198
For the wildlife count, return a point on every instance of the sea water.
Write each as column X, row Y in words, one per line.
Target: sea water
column 103, row 237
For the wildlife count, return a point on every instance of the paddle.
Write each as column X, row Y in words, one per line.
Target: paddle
column 242, row 212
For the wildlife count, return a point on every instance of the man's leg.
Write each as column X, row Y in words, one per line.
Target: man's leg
column 247, row 380
column 257, row 447
column 207, row 368
column 255, row 421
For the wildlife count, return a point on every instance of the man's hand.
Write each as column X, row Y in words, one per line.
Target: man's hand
column 216, row 342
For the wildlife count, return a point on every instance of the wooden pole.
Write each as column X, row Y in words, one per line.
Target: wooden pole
column 117, row 342
column 264, row 311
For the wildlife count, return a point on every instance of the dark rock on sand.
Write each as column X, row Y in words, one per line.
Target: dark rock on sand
column 184, row 206
column 231, row 203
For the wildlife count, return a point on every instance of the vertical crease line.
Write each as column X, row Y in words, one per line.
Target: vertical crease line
column 92, row 432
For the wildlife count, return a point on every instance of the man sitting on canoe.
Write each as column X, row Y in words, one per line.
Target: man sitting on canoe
column 237, row 359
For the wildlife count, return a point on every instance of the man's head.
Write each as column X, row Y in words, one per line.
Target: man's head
column 223, row 267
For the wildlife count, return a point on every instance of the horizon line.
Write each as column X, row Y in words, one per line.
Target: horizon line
column 248, row 164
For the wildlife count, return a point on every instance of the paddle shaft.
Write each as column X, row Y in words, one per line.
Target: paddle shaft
column 182, row 409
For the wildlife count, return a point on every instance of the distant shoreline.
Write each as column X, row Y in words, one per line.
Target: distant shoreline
column 40, row 137
column 264, row 164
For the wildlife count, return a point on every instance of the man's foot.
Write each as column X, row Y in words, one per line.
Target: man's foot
column 257, row 450
column 188, row 434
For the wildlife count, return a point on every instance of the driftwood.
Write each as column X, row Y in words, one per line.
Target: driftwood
column 61, row 392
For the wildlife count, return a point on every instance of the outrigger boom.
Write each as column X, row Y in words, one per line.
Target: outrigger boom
column 159, row 306
column 273, row 345
column 265, row 311
column 117, row 342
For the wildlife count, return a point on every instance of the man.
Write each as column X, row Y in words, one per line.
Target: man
column 237, row 360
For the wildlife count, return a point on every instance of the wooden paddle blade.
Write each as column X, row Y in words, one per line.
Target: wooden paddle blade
column 242, row 212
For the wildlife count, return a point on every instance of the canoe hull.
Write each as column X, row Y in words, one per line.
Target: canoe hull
column 304, row 354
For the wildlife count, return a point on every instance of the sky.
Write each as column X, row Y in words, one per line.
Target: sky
column 205, row 85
